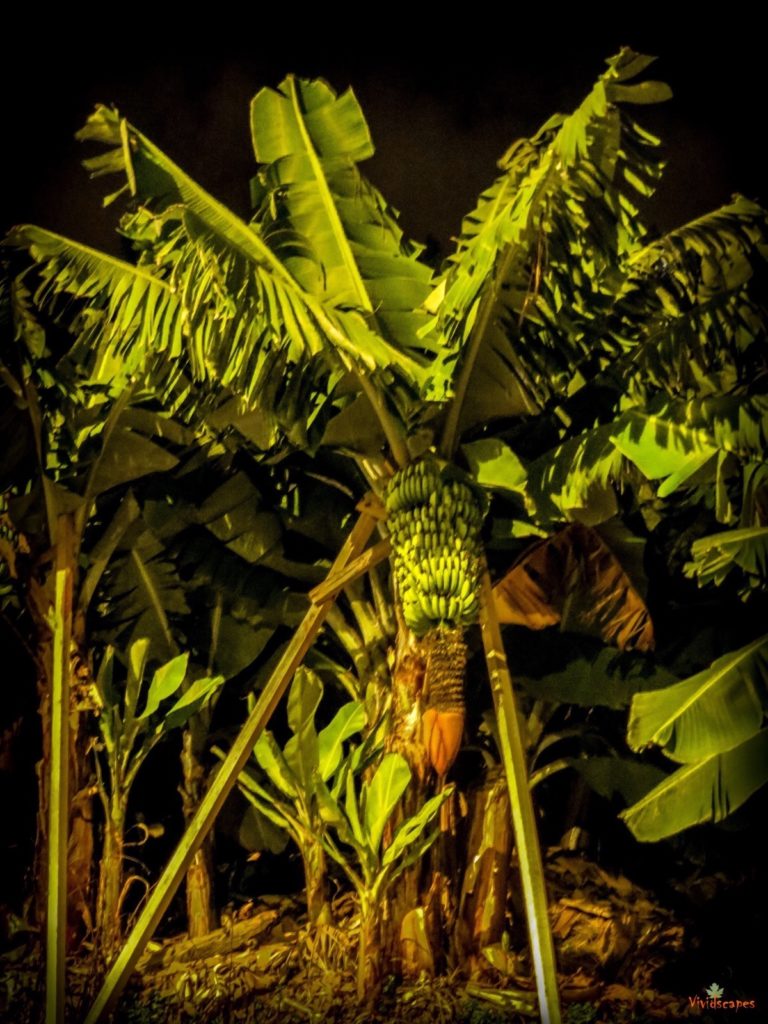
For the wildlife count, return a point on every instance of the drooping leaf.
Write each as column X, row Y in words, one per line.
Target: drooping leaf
column 710, row 712
column 704, row 791
column 257, row 832
column 217, row 254
column 678, row 442
column 540, row 256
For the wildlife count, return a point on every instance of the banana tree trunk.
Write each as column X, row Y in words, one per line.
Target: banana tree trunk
column 370, row 954
column 201, row 909
column 108, row 924
column 40, row 600
column 406, row 738
column 315, row 876
column 58, row 776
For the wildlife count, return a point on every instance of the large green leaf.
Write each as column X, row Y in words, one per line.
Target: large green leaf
column 234, row 514
column 689, row 310
column 132, row 312
column 705, row 791
column 680, row 443
column 304, row 697
column 264, row 299
column 137, row 660
column 539, row 258
column 611, row 776
column 141, row 591
column 710, row 712
column 340, row 238
column 381, row 794
column 663, row 447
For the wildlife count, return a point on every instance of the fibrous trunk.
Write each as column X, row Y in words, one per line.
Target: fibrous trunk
column 201, row 910
column 484, row 886
column 369, row 960
column 80, row 845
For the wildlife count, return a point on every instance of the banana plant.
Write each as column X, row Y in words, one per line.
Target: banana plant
column 356, row 818
column 78, row 448
column 310, row 789
column 558, row 327
column 135, row 714
column 285, row 791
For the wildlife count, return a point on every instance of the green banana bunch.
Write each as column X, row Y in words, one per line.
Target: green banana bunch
column 435, row 517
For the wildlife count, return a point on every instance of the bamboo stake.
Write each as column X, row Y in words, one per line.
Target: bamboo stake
column 58, row 792
column 523, row 818
column 222, row 783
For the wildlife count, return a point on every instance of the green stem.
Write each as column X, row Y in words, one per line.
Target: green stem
column 487, row 304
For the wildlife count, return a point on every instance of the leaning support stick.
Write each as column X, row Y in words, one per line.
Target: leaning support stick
column 224, row 780
column 523, row 818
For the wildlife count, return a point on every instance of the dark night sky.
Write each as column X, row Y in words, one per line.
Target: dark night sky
column 442, row 106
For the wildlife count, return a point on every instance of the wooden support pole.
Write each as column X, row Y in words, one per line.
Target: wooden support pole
column 222, row 783
column 523, row 817
column 358, row 567
column 58, row 787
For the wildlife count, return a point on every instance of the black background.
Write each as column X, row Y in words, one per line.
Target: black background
column 444, row 95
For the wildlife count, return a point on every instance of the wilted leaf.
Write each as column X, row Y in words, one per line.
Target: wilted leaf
column 575, row 571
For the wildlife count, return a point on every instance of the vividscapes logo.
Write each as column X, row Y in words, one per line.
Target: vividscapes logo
column 715, row 1000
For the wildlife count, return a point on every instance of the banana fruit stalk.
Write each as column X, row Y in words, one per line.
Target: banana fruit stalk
column 435, row 517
